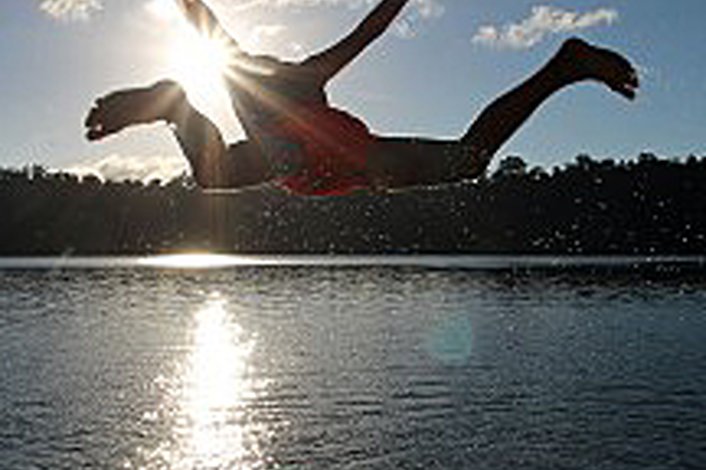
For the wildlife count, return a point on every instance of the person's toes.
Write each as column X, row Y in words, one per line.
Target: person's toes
column 114, row 112
column 625, row 81
column 93, row 115
column 94, row 133
column 107, row 116
column 603, row 65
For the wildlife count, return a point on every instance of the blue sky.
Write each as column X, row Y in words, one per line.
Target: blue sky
column 428, row 77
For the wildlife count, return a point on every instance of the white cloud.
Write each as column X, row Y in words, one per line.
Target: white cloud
column 423, row 10
column 69, row 9
column 429, row 8
column 268, row 30
column 120, row 168
column 542, row 22
column 418, row 11
column 263, row 32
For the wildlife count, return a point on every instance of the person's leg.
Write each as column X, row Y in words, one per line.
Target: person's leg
column 117, row 110
column 402, row 162
column 213, row 164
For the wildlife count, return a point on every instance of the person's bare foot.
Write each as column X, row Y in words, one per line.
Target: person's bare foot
column 118, row 110
column 606, row 66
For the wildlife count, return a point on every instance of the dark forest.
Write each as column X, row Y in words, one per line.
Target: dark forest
column 643, row 206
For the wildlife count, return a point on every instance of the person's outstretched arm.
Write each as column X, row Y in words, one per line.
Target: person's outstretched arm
column 332, row 60
column 205, row 21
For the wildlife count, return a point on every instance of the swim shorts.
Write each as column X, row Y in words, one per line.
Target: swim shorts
column 316, row 150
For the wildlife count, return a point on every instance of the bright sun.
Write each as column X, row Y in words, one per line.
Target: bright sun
column 196, row 62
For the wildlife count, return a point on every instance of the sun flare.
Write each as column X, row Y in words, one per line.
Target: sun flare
column 197, row 62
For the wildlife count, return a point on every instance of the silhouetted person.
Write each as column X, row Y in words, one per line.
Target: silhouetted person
column 298, row 142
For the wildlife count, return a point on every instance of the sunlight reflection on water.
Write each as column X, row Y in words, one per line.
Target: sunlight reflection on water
column 191, row 261
column 111, row 364
column 209, row 398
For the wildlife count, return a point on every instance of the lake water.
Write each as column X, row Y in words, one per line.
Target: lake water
column 326, row 363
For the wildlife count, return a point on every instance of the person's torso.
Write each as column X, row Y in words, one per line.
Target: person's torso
column 264, row 90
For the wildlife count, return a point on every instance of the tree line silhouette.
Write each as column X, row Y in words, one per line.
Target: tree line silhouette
column 644, row 206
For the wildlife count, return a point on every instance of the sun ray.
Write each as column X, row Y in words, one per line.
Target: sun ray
column 196, row 61
column 206, row 65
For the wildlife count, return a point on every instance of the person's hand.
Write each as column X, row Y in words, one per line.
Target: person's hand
column 198, row 14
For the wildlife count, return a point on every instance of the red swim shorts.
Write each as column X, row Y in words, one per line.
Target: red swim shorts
column 332, row 149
